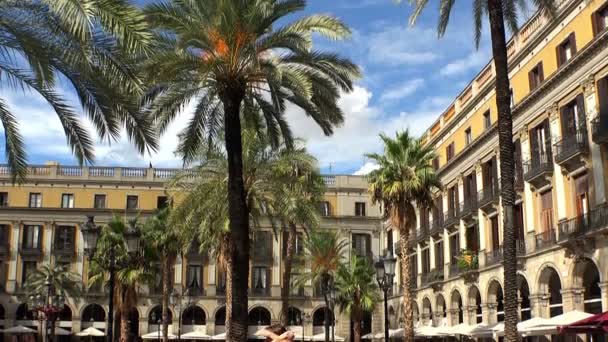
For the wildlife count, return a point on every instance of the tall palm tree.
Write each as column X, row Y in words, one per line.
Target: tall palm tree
column 135, row 270
column 62, row 281
column 325, row 250
column 87, row 44
column 357, row 291
column 500, row 13
column 405, row 177
column 164, row 241
column 298, row 188
column 232, row 55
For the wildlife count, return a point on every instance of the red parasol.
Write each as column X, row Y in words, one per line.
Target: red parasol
column 595, row 324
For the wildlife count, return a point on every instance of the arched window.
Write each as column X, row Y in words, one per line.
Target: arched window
column 318, row 317
column 194, row 315
column 93, row 313
column 259, row 316
column 220, row 317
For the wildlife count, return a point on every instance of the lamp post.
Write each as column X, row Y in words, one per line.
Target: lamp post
column 332, row 303
column 175, row 299
column 90, row 236
column 385, row 271
column 326, row 287
column 46, row 306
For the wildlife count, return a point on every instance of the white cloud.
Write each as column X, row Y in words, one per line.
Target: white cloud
column 366, row 169
column 399, row 45
column 402, row 90
column 474, row 60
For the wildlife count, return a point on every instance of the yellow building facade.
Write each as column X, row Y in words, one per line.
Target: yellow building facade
column 40, row 223
column 558, row 68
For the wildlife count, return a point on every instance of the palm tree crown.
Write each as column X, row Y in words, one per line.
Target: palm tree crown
column 62, row 282
column 86, row 43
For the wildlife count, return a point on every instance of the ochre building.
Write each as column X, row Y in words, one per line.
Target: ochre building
column 558, row 69
column 40, row 223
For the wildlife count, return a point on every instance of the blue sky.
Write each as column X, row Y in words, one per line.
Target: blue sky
column 409, row 78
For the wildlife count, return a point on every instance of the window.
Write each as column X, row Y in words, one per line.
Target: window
column 472, row 238
column 161, row 202
column 436, row 163
column 599, row 20
column 194, row 278
column 99, row 202
column 361, row 244
column 220, row 288
column 298, row 246
column 64, row 238
column 581, row 188
column 536, row 76
column 450, row 151
column 573, row 117
column 67, row 200
column 26, row 269
column 31, row 237
column 426, row 261
column 262, row 245
column 325, row 208
column 512, row 96
column 468, row 136
column 35, row 200
column 3, row 199
column 390, row 245
column 439, row 255
column 295, row 290
column 454, row 248
column 132, row 202
column 566, row 50
column 359, row 208
column 546, row 216
column 260, row 280
column 540, row 143
column 453, row 201
column 495, row 234
column 487, row 120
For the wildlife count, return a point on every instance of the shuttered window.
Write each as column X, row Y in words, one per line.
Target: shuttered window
column 581, row 185
column 566, row 50
column 536, row 76
column 546, row 204
column 495, row 233
column 573, row 116
column 599, row 20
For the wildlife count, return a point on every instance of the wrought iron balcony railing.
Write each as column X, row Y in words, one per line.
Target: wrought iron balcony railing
column 468, row 207
column 571, row 146
column 436, row 226
column 450, row 218
column 536, row 168
column 494, row 257
column 545, row 239
column 599, row 130
column 594, row 220
column 489, row 194
column 432, row 276
column 520, row 248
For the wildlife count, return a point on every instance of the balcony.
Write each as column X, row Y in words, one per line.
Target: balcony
column 579, row 226
column 494, row 257
column 260, row 291
column 432, row 277
column 569, row 151
column 450, row 219
column 29, row 251
column 488, row 197
column 468, row 209
column 520, row 248
column 544, row 240
column 422, row 234
column 4, row 250
column 436, row 227
column 64, row 251
column 599, row 130
column 519, row 178
column 455, row 270
column 539, row 170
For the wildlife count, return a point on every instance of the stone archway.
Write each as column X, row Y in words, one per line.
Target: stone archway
column 220, row 320
column 586, row 277
column 294, row 316
column 427, row 310
column 474, row 304
column 194, row 315
column 550, row 287
column 259, row 316
column 456, row 308
column 523, row 295
column 495, row 301
column 415, row 313
column 440, row 314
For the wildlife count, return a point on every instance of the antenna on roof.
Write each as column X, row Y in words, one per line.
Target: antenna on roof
column 331, row 168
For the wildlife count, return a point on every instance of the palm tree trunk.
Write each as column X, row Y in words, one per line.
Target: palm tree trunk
column 124, row 324
column 507, row 169
column 404, row 227
column 357, row 330
column 165, row 299
column 228, row 289
column 286, row 288
column 238, row 213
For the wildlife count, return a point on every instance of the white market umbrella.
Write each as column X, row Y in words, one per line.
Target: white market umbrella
column 20, row 329
column 90, row 331
column 427, row 331
column 461, row 329
column 321, row 337
column 219, row 337
column 155, row 335
column 483, row 330
column 61, row 332
column 550, row 327
column 391, row 333
column 522, row 326
column 195, row 335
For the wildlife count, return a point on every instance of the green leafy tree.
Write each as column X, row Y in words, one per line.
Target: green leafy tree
column 165, row 242
column 88, row 44
column 227, row 56
column 357, row 291
column 135, row 269
column 325, row 250
column 404, row 178
column 62, row 282
column 501, row 13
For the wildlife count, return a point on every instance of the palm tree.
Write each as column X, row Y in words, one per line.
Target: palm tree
column 299, row 188
column 500, row 13
column 87, row 44
column 134, row 270
column 62, row 282
column 236, row 59
column 357, row 291
column 164, row 241
column 404, row 177
column 325, row 250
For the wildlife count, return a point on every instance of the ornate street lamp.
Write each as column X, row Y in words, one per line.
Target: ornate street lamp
column 46, row 308
column 90, row 237
column 385, row 272
column 175, row 300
